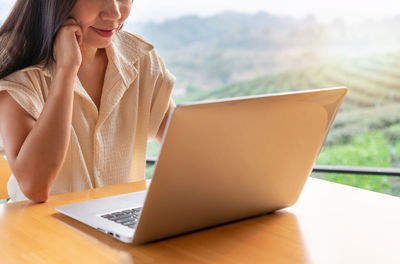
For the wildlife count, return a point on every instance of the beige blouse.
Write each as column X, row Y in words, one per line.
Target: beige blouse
column 106, row 146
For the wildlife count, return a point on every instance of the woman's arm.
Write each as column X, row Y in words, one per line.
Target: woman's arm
column 161, row 130
column 36, row 150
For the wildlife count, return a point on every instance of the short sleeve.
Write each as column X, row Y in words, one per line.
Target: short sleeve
column 24, row 88
column 161, row 95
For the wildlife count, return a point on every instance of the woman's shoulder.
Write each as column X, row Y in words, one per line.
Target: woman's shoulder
column 27, row 74
column 129, row 37
column 28, row 88
column 132, row 45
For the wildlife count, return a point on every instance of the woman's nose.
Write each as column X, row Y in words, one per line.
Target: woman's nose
column 111, row 10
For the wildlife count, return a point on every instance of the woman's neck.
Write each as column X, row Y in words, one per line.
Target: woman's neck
column 90, row 55
column 93, row 60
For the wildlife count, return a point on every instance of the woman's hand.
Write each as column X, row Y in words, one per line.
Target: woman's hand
column 66, row 50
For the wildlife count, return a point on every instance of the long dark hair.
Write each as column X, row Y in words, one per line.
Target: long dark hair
column 27, row 35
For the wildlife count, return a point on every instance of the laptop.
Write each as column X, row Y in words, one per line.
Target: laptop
column 221, row 161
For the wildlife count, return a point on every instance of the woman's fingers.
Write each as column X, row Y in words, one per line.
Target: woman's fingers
column 73, row 24
column 67, row 44
column 70, row 22
column 78, row 35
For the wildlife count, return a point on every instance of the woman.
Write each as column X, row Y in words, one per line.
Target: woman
column 79, row 98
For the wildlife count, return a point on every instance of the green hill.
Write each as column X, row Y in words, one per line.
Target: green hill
column 213, row 51
column 372, row 102
column 366, row 131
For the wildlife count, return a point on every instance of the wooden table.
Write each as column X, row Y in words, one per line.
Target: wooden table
column 331, row 223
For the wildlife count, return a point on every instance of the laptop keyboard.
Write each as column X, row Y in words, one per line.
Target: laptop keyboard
column 127, row 217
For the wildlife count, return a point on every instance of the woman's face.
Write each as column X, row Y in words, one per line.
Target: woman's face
column 100, row 19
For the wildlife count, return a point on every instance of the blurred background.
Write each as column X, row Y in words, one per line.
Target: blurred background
column 219, row 49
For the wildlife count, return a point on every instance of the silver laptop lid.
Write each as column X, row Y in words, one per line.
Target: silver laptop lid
column 231, row 159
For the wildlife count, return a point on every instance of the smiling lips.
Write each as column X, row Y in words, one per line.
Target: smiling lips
column 104, row 33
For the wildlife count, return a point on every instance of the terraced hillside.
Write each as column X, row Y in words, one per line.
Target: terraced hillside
column 366, row 131
column 372, row 102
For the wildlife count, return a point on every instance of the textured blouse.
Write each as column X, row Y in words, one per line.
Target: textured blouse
column 107, row 146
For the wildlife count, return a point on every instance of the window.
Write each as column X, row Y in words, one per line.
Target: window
column 222, row 49
column 232, row 48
